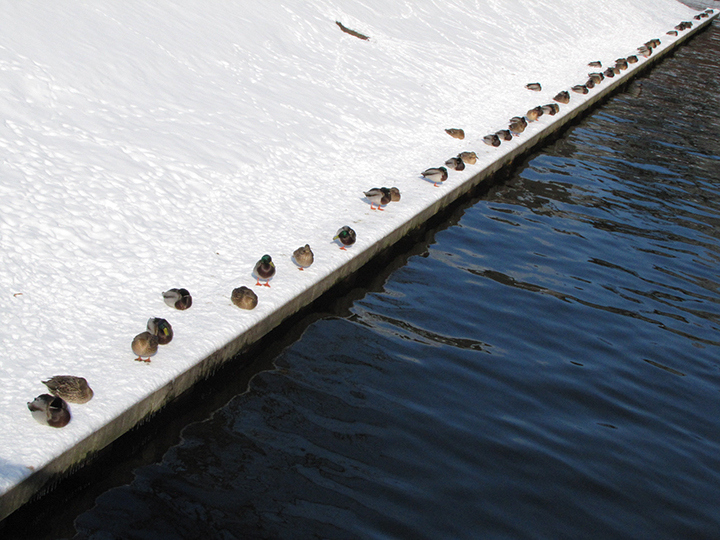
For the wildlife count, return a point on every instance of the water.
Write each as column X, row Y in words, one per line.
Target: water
column 544, row 364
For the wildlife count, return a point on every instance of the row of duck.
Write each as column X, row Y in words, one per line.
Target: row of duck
column 52, row 408
column 518, row 124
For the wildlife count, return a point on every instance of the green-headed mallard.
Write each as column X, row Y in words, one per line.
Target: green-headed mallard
column 346, row 236
column 50, row 410
column 304, row 256
column 178, row 298
column 435, row 174
column 264, row 269
column 145, row 344
column 70, row 388
column 244, row 298
column 160, row 328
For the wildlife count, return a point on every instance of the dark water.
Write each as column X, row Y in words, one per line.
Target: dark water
column 545, row 365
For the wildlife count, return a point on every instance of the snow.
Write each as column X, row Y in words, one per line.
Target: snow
column 147, row 146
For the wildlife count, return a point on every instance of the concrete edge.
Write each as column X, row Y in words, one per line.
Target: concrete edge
column 42, row 481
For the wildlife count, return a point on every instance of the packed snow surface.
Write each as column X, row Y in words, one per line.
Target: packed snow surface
column 147, row 146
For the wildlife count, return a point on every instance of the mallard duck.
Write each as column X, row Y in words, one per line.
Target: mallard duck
column 516, row 128
column 468, row 157
column 504, row 135
column 562, row 97
column 580, row 89
column 178, row 298
column 596, row 77
column 491, row 140
column 346, row 236
column 50, row 410
column 244, row 298
column 595, row 63
column 435, row 174
column 589, row 84
column 70, row 388
column 632, row 59
column 264, row 269
column 456, row 164
column 551, row 108
column 145, row 344
column 456, row 133
column 378, row 197
column 533, row 114
column 534, row 86
column 609, row 73
column 672, row 33
column 160, row 328
column 303, row 257
column 394, row 194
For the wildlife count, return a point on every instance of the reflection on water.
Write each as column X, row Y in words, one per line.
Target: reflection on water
column 546, row 366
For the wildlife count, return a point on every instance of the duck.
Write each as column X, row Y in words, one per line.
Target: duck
column 303, row 257
column 346, row 236
column 504, row 135
column 672, row 33
column 178, row 298
column 70, row 388
column 244, row 298
column 468, row 157
column 595, row 63
column 580, row 89
column 264, row 269
column 535, row 86
column 632, row 59
column 378, row 197
column 609, row 73
column 50, row 410
column 145, row 344
column 534, row 114
column 589, row 84
column 491, row 140
column 455, row 163
column 161, row 329
column 562, row 97
column 516, row 128
column 456, row 133
column 435, row 174
column 395, row 194
column 596, row 77
column 551, row 108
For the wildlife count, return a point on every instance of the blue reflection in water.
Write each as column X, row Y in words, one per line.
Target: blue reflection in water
column 548, row 368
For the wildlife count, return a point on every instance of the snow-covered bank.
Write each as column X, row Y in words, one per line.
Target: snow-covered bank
column 154, row 147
